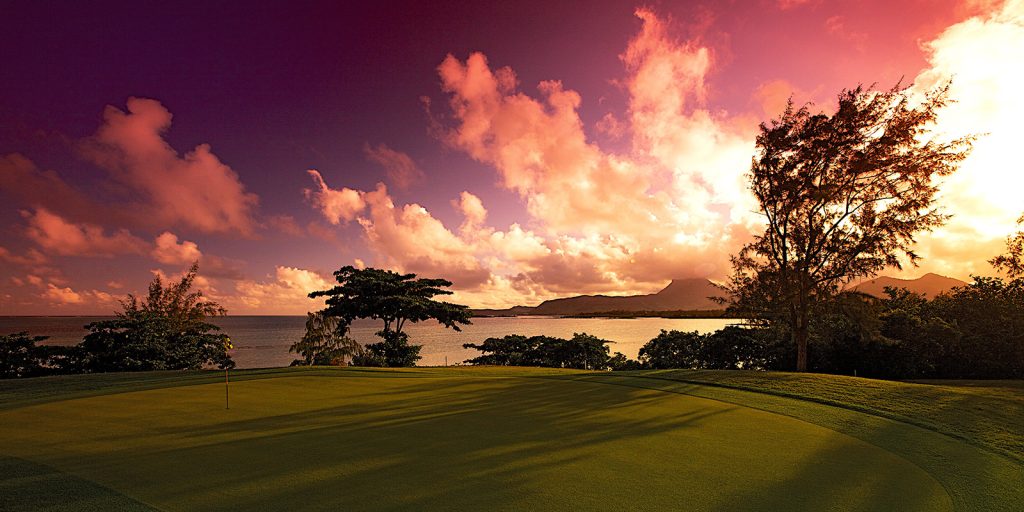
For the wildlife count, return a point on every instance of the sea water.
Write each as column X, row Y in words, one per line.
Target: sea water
column 263, row 341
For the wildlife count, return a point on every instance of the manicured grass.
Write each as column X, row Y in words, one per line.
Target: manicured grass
column 469, row 439
column 989, row 414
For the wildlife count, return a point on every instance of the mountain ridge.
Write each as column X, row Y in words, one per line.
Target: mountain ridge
column 694, row 294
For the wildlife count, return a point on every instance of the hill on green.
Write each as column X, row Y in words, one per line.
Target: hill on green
column 499, row 439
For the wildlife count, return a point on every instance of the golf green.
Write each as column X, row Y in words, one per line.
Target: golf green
column 434, row 441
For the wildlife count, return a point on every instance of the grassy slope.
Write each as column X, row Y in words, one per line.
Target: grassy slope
column 989, row 414
column 540, row 432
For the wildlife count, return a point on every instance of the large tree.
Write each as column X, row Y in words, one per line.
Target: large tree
column 169, row 329
column 843, row 196
column 395, row 299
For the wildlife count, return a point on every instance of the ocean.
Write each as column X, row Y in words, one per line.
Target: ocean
column 263, row 341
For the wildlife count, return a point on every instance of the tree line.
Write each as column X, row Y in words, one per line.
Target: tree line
column 168, row 329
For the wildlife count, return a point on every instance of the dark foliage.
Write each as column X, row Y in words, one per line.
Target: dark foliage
column 324, row 342
column 22, row 356
column 730, row 348
column 168, row 330
column 843, row 197
column 582, row 351
column 394, row 299
column 394, row 351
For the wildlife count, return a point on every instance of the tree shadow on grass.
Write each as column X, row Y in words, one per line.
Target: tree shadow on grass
column 974, row 478
column 470, row 444
column 443, row 444
column 26, row 486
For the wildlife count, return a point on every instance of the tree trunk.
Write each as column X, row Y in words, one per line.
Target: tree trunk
column 800, row 337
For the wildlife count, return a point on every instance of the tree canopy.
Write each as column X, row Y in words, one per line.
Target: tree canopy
column 167, row 330
column 843, row 196
column 395, row 299
column 324, row 342
column 583, row 351
column 1012, row 261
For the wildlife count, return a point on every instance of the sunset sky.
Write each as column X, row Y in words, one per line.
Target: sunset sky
column 523, row 150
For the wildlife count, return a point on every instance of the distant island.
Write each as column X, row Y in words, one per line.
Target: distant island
column 691, row 298
column 928, row 285
column 682, row 298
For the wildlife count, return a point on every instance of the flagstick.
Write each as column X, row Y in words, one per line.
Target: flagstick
column 227, row 404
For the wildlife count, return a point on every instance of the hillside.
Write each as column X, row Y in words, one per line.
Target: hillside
column 680, row 294
column 929, row 284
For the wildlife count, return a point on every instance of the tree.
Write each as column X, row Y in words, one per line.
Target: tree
column 324, row 342
column 168, row 330
column 1012, row 261
column 843, row 197
column 394, row 299
column 583, row 351
column 20, row 356
column 672, row 349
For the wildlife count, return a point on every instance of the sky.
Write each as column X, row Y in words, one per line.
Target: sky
column 523, row 150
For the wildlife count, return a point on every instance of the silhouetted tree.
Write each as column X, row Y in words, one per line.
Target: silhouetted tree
column 394, row 299
column 672, row 349
column 843, row 197
column 20, row 356
column 1012, row 261
column 168, row 330
column 324, row 342
column 583, row 351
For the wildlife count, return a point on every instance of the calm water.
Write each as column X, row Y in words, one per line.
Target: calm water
column 263, row 341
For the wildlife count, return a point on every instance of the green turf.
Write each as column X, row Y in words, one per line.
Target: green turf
column 469, row 439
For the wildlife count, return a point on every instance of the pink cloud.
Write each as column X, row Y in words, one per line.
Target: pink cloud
column 286, row 292
column 793, row 4
column 600, row 221
column 62, row 295
column 169, row 251
column 410, row 238
column 29, row 185
column 31, row 257
column 58, row 236
column 773, row 95
column 336, row 206
column 402, row 171
column 285, row 224
column 472, row 209
column 195, row 189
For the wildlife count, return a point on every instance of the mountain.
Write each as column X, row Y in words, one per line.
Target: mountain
column 929, row 284
column 680, row 294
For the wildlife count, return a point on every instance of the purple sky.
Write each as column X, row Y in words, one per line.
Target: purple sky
column 99, row 193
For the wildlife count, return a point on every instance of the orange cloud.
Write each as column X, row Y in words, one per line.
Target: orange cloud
column 335, row 205
column 286, row 292
column 195, row 189
column 26, row 184
column 31, row 257
column 982, row 55
column 66, row 296
column 169, row 251
column 401, row 171
column 59, row 236
column 676, row 206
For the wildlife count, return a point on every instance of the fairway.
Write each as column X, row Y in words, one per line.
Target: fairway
column 435, row 440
